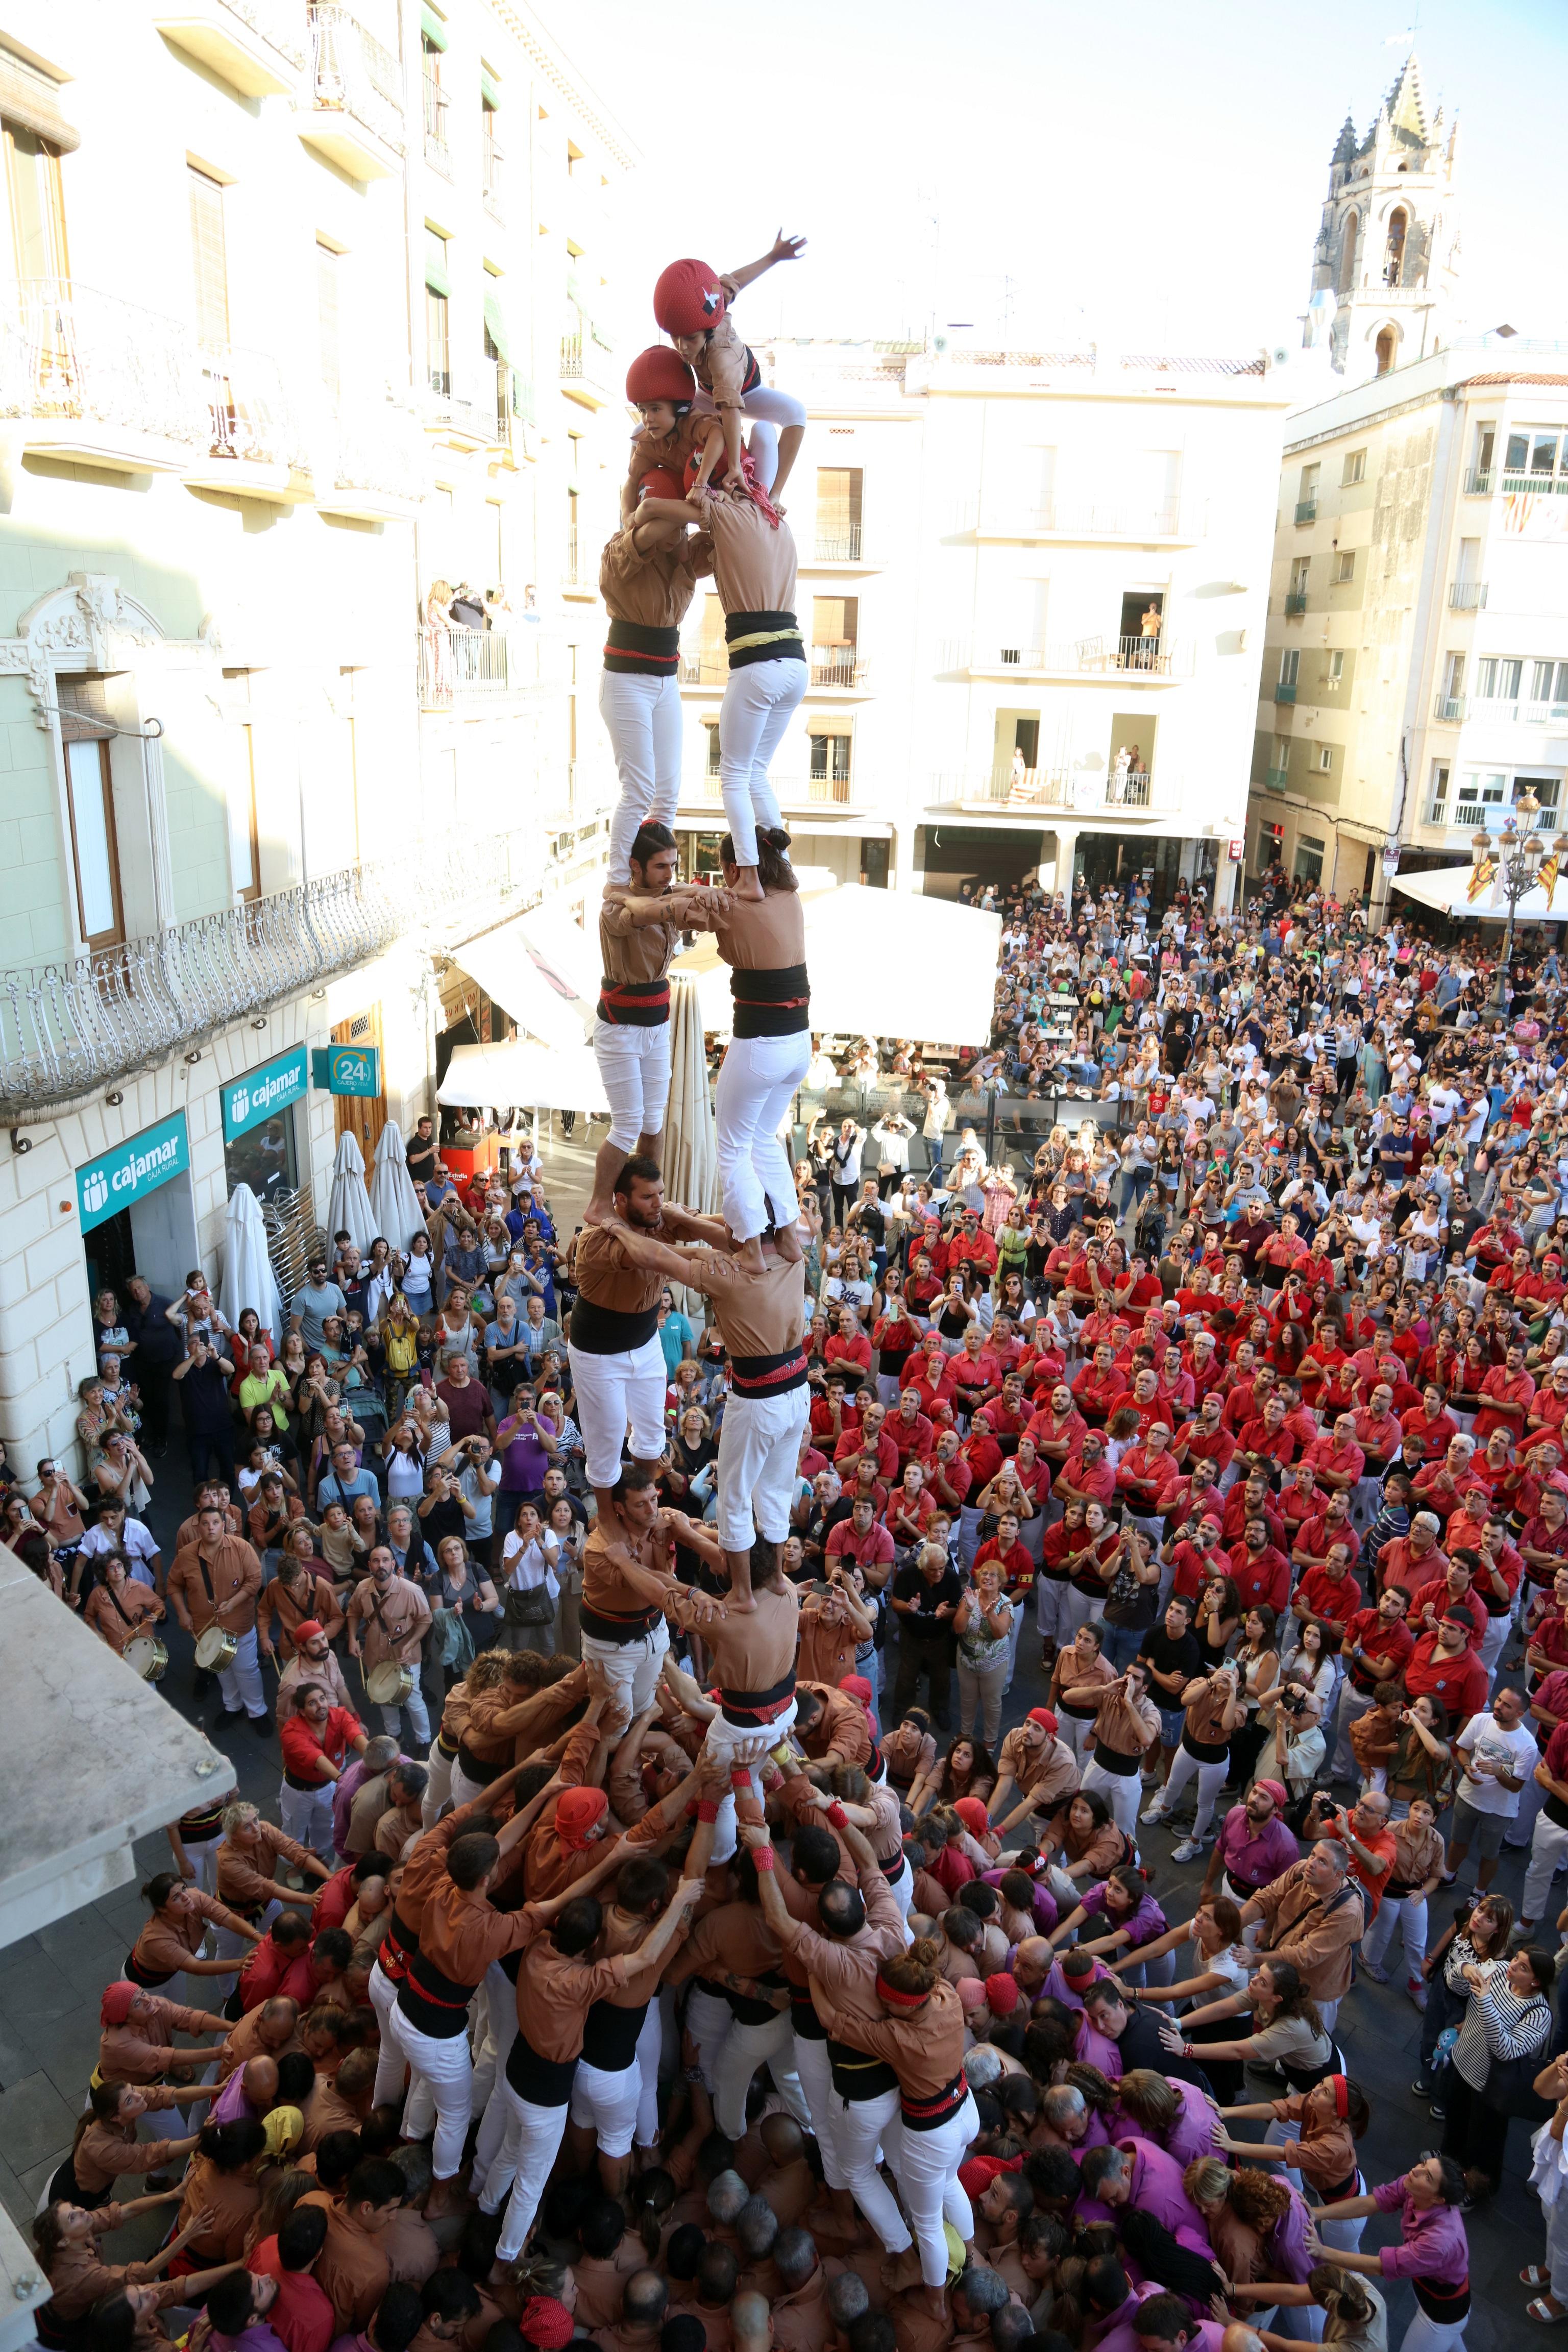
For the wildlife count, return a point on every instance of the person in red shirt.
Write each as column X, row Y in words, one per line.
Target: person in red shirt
column 1207, row 1439
column 1430, row 1421
column 1249, row 1498
column 1328, row 1592
column 909, row 1431
column 1196, row 1496
column 1143, row 1398
column 1442, row 1666
column 1195, row 1554
column 927, row 1373
column 1259, row 1570
column 1005, row 1417
column 1543, row 1538
column 861, row 1538
column 1375, row 1430
column 911, row 1505
column 1337, row 1459
column 1550, row 1408
column 1377, row 1642
column 301, row 2315
column 1009, row 1554
column 1246, row 1398
column 972, row 1246
column 1334, row 1524
column 974, row 1372
column 1542, row 1290
column 850, row 1349
column 1146, row 1475
column 1299, row 1502
column 1201, row 1357
column 1411, row 1560
column 316, row 1740
column 983, row 1455
column 1086, row 1477
column 923, row 1285
column 1098, row 1386
column 834, row 1412
column 1057, row 1427
column 1509, row 1393
column 947, row 1475
column 1431, row 1602
column 1264, row 1441
column 869, row 1443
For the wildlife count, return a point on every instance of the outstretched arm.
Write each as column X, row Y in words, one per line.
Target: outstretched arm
column 783, row 248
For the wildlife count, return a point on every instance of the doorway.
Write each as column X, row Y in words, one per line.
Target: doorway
column 361, row 1116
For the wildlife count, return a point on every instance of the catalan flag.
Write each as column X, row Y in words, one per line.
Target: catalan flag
column 1483, row 874
column 1547, row 877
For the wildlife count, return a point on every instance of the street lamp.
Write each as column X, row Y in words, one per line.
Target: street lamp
column 1518, row 865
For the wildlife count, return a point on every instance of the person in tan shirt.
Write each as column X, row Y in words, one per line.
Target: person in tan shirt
column 832, row 1726
column 247, row 1859
column 118, row 1608
column 67, row 2237
column 220, row 2189
column 1036, row 1771
column 388, row 1618
column 216, row 1581
column 106, row 2147
column 693, row 303
column 313, row 1661
column 136, row 2043
column 352, row 2268
column 296, row 1596
column 1312, row 1916
column 171, row 1940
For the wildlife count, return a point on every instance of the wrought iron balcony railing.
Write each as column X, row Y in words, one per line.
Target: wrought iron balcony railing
column 67, row 1029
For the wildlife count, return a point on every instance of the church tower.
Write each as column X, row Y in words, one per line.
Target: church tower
column 1389, row 247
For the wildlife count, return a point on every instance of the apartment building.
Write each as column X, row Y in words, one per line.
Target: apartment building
column 1034, row 587
column 303, row 308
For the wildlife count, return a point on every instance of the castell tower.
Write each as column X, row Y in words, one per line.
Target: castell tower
column 1389, row 247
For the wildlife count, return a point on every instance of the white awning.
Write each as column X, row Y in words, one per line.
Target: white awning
column 523, row 1075
column 1447, row 888
column 883, row 963
column 533, row 985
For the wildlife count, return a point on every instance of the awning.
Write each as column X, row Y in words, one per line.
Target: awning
column 528, row 983
column 495, row 327
column 1447, row 888
column 523, row 1075
column 883, row 963
column 437, row 279
column 488, row 90
column 32, row 101
column 432, row 27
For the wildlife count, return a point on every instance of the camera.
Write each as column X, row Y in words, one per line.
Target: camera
column 1292, row 1701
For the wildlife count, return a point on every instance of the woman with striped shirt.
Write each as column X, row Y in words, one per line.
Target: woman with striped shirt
column 1509, row 2016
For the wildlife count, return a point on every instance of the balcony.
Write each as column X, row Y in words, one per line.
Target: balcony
column 1276, row 779
column 254, row 446
column 710, row 671
column 1283, row 692
column 1307, row 509
column 1060, row 789
column 839, row 666
column 254, row 46
column 1295, row 604
column 1128, row 518
column 491, row 177
column 514, row 411
column 1482, row 709
column 1479, row 482
column 94, row 381
column 1468, row 596
column 1128, row 660
column 67, row 1029
column 461, row 407
column 1451, row 710
column 1514, row 482
column 374, row 461
column 840, row 550
column 352, row 113
column 585, row 369
column 437, row 151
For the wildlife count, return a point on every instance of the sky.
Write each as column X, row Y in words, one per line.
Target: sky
column 1036, row 173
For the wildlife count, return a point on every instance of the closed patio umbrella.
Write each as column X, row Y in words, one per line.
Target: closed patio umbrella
column 348, row 1208
column 394, row 1208
column 248, row 1276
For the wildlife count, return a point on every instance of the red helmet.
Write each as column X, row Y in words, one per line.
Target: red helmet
column 689, row 299
column 659, row 482
column 659, row 373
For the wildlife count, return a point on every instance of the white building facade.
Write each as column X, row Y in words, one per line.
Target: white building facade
column 1033, row 588
column 304, row 308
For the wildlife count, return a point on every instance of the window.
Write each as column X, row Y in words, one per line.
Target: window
column 1310, row 480
column 1535, row 454
column 37, row 205
column 1498, row 679
column 838, row 497
column 1308, row 864
column 1300, row 567
column 1437, row 798
column 1353, row 470
column 1485, row 446
column 830, row 758
column 1345, row 566
column 711, row 729
column 94, row 852
column 1547, row 791
column 1289, row 666
column 1454, row 677
column 1480, row 797
column 1325, row 759
column 208, row 256
column 328, row 259
column 1333, row 668
column 1549, row 683
column 573, row 545
column 1387, row 344
column 438, row 289
column 244, row 849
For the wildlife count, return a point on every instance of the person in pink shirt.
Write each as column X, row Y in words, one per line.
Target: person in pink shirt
column 1135, row 2173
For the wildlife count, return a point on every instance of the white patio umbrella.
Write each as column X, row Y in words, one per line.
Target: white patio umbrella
column 248, row 1276
column 690, row 1148
column 394, row 1206
column 349, row 1207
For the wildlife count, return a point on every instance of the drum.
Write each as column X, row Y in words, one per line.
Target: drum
column 216, row 1649
column 389, row 1684
column 146, row 1656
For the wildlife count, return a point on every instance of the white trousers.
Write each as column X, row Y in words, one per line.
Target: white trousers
column 1548, row 1855
column 419, row 1715
column 709, row 2021
column 307, row 1817
column 616, row 1393
column 202, row 1859
column 759, row 1455
column 540, row 2132
column 443, row 2078
column 1410, row 1911
column 241, row 1682
column 634, row 1064
column 1210, row 1780
column 389, row 2065
column 438, row 1787
column 760, row 700
column 814, row 2069
column 861, row 2127
column 1425, row 2335
column 629, row 1671
column 492, row 2045
column 735, row 1749
column 926, row 2165
column 1121, row 1790
column 747, row 2047
column 771, row 409
column 642, row 718
column 607, row 2105
column 757, row 1080
column 1494, row 1642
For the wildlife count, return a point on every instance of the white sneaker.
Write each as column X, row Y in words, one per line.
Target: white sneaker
column 1189, row 1849
column 1154, row 1813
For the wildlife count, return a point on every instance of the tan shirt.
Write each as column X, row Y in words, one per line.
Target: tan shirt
column 554, row 1995
column 352, row 2268
column 502, row 1726
column 234, row 1572
column 763, row 935
column 605, row 1278
column 1047, row 1773
column 632, row 951
column 105, row 2152
column 460, row 1932
column 924, row 2048
column 753, row 559
column 109, row 1620
column 1298, row 1926
column 164, row 1945
column 137, row 2050
column 757, row 1314
column 392, row 1623
column 243, row 1872
column 654, row 590
column 300, row 1671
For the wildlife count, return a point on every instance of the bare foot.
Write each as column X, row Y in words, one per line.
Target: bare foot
column 598, row 1212
column 901, row 2271
column 748, row 884
column 749, row 1256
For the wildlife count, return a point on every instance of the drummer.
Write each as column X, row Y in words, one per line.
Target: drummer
column 213, row 1588
column 121, row 1611
column 313, row 1661
column 388, row 1619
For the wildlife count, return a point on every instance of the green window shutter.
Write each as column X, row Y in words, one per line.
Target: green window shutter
column 488, row 90
column 495, row 326
column 437, row 279
column 432, row 27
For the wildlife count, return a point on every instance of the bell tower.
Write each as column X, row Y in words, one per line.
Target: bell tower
column 1388, row 249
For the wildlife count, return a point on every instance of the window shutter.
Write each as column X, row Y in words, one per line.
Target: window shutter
column 327, row 311
column 209, row 258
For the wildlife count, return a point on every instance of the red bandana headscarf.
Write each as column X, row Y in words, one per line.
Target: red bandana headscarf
column 577, row 1813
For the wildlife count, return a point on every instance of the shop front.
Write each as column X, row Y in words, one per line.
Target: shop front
column 138, row 1212
column 260, row 1127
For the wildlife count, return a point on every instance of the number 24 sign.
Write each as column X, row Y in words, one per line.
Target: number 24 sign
column 348, row 1069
